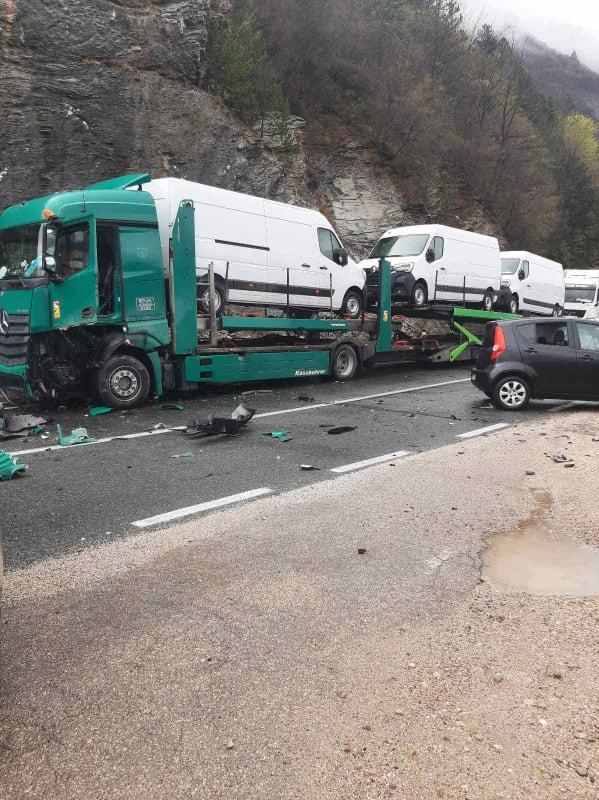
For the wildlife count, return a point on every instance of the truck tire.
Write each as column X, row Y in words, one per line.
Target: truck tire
column 204, row 299
column 344, row 363
column 123, row 382
column 353, row 305
column 419, row 294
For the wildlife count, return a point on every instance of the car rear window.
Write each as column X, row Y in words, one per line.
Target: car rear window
column 489, row 334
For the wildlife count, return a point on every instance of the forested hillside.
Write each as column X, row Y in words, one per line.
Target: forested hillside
column 379, row 111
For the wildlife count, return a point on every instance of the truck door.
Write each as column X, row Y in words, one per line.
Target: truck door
column 74, row 293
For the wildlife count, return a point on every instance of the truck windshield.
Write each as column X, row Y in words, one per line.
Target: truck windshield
column 412, row 244
column 580, row 294
column 20, row 252
column 509, row 266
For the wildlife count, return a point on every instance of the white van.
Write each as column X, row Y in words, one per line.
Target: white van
column 434, row 263
column 531, row 283
column 263, row 251
column 582, row 293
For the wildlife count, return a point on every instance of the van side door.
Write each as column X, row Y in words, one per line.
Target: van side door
column 439, row 277
column 526, row 290
column 293, row 264
column 333, row 276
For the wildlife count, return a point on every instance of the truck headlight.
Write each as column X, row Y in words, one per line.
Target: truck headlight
column 403, row 268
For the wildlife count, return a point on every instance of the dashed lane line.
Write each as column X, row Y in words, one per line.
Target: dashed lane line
column 483, row 431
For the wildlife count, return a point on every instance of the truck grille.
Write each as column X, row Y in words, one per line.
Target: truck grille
column 13, row 343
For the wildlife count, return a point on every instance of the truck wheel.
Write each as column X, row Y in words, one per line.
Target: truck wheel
column 344, row 363
column 123, row 382
column 514, row 304
column 419, row 294
column 488, row 300
column 353, row 305
column 219, row 296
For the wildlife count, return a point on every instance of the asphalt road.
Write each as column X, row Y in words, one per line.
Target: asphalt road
column 73, row 498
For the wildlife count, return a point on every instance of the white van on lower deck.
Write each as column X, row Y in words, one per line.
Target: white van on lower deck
column 532, row 283
column 438, row 264
column 264, row 253
column 582, row 293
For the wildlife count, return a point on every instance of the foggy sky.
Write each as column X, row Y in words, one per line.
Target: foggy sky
column 565, row 25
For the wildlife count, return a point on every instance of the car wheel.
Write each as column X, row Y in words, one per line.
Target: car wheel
column 219, row 299
column 511, row 394
column 123, row 382
column 344, row 363
column 419, row 294
column 353, row 305
column 514, row 304
column 488, row 299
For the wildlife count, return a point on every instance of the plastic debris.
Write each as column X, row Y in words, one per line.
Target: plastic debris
column 77, row 436
column 160, row 426
column 9, row 466
column 282, row 436
column 221, row 426
column 39, row 430
column 97, row 411
column 183, row 455
column 16, row 425
column 341, row 430
column 174, row 406
column 309, row 468
column 559, row 457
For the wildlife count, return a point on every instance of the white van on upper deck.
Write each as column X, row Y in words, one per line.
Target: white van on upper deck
column 264, row 252
column 532, row 283
column 435, row 263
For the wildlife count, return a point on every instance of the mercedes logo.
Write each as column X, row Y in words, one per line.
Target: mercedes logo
column 4, row 323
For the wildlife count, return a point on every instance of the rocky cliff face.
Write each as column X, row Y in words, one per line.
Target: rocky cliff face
column 96, row 89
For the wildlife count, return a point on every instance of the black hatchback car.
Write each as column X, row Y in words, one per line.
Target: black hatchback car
column 543, row 359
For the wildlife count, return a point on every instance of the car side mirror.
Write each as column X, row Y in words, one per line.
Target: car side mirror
column 521, row 275
column 341, row 257
column 430, row 256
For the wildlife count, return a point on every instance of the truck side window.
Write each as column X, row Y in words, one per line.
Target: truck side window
column 72, row 250
column 325, row 242
column 438, row 247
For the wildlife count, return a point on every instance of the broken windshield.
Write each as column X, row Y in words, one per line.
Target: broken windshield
column 412, row 244
column 20, row 252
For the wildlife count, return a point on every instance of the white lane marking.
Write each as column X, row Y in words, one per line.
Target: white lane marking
column 360, row 399
column 179, row 513
column 264, row 415
column 482, row 431
column 369, row 462
column 51, row 447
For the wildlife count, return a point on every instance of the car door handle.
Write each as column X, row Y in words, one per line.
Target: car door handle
column 442, row 269
column 307, row 266
column 325, row 268
column 586, row 358
column 531, row 350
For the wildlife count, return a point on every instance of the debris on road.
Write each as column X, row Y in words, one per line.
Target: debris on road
column 173, row 406
column 282, row 436
column 9, row 466
column 530, row 472
column 558, row 457
column 309, row 468
column 218, row 426
column 160, row 426
column 341, row 430
column 184, row 455
column 97, row 411
column 305, row 398
column 77, row 436
column 15, row 426
column 362, row 551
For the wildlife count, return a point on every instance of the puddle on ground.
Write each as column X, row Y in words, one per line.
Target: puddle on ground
column 535, row 560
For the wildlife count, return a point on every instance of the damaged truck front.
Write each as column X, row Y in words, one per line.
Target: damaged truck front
column 71, row 319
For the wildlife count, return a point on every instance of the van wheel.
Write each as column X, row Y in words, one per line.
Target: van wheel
column 353, row 305
column 511, row 394
column 123, row 382
column 344, row 363
column 557, row 312
column 419, row 294
column 514, row 304
column 488, row 300
column 219, row 297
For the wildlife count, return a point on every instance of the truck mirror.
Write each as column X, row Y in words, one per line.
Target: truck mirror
column 341, row 257
column 430, row 256
column 49, row 264
column 521, row 275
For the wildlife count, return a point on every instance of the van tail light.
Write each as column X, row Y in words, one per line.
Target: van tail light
column 499, row 345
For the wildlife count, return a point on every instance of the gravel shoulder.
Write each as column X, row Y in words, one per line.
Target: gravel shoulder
column 255, row 653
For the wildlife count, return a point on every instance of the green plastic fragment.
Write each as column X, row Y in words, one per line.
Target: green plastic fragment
column 37, row 431
column 9, row 466
column 77, row 436
column 95, row 411
column 282, row 436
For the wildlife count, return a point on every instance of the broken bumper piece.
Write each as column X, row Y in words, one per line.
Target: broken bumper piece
column 218, row 426
column 9, row 466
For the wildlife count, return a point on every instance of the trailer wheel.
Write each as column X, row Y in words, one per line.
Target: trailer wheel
column 123, row 382
column 344, row 363
column 488, row 300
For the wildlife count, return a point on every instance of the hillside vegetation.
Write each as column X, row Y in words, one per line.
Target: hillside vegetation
column 453, row 115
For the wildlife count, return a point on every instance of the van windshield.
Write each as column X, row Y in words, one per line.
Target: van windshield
column 580, row 294
column 509, row 266
column 411, row 244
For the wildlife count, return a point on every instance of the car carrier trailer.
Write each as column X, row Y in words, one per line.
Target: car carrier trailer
column 86, row 309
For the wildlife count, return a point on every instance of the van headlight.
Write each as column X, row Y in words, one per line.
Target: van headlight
column 402, row 268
